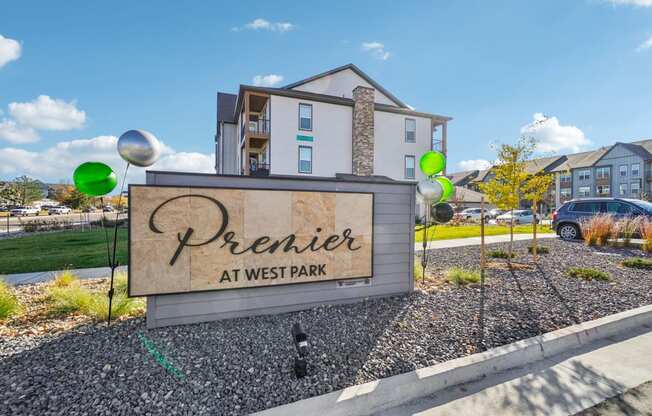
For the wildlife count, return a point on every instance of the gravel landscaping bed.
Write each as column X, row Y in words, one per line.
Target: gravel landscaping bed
column 244, row 365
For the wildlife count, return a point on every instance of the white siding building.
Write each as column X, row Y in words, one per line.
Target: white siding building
column 337, row 122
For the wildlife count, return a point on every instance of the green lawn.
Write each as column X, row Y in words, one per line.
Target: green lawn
column 59, row 250
column 447, row 232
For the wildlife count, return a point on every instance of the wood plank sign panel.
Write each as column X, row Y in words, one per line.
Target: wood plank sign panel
column 190, row 239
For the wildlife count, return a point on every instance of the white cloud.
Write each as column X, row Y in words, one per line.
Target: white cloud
column 638, row 3
column 58, row 162
column 376, row 49
column 645, row 45
column 17, row 134
column 10, row 50
column 267, row 80
column 262, row 24
column 474, row 164
column 552, row 136
column 45, row 113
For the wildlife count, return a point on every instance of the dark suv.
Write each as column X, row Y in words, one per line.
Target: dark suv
column 566, row 220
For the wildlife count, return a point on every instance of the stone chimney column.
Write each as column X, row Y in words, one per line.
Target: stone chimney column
column 363, row 131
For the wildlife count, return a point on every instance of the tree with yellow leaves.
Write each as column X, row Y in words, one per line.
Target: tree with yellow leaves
column 505, row 188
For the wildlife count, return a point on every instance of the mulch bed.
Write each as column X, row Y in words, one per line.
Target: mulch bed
column 243, row 365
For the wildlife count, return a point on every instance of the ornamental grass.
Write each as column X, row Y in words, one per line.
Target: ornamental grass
column 596, row 230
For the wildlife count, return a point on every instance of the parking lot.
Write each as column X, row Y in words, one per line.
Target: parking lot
column 9, row 225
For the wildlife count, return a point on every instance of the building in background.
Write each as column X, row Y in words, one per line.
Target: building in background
column 621, row 170
column 337, row 122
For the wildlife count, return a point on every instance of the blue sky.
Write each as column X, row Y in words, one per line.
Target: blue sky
column 104, row 68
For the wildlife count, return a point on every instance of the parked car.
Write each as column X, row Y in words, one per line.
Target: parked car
column 494, row 213
column 566, row 220
column 59, row 210
column 24, row 211
column 108, row 208
column 89, row 209
column 521, row 216
column 470, row 214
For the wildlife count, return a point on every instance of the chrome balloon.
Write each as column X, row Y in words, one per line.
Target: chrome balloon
column 139, row 147
column 430, row 191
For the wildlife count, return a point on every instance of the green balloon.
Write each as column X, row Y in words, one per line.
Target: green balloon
column 432, row 162
column 94, row 178
column 447, row 186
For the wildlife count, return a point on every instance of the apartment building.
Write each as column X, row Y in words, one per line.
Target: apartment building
column 621, row 170
column 337, row 122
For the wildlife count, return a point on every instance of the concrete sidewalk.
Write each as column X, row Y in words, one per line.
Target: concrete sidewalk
column 475, row 241
column 562, row 385
column 24, row 278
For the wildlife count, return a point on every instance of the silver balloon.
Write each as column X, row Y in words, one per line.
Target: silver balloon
column 430, row 191
column 139, row 147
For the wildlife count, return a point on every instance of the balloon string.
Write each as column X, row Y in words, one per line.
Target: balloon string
column 114, row 264
column 106, row 233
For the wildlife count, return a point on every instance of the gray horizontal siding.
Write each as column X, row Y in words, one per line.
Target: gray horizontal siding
column 393, row 256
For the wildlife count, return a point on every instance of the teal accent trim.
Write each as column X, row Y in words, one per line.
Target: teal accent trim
column 304, row 138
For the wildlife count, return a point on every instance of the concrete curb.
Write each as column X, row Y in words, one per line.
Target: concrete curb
column 383, row 394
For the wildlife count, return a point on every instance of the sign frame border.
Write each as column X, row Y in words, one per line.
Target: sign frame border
column 373, row 241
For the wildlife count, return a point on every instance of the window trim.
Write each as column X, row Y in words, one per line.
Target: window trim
column 620, row 171
column 579, row 191
column 582, row 177
column 311, row 116
column 638, row 170
column 602, row 169
column 620, row 189
column 638, row 187
column 414, row 167
column 299, row 159
column 405, row 130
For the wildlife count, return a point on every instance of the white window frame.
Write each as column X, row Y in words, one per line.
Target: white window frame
column 584, row 175
column 623, row 169
column 311, row 116
column 638, row 169
column 620, row 189
column 599, row 172
column 598, row 193
column 405, row 166
column 638, row 187
column 581, row 193
column 299, row 159
column 405, row 124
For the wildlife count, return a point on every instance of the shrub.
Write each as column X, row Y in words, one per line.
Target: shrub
column 9, row 304
column 638, row 263
column 462, row 277
column 500, row 254
column 645, row 228
column 418, row 271
column 95, row 304
column 587, row 274
column 626, row 228
column 596, row 230
column 64, row 279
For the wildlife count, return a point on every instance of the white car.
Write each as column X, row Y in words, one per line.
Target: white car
column 59, row 210
column 521, row 216
column 24, row 211
column 471, row 214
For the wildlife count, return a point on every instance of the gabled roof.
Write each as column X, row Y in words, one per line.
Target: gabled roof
column 541, row 164
column 460, row 177
column 306, row 95
column 357, row 71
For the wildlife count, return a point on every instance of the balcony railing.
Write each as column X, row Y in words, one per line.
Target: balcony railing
column 260, row 127
column 259, row 169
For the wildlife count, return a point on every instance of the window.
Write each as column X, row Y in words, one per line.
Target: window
column 618, row 208
column 635, row 188
column 623, row 171
column 602, row 173
column 602, row 190
column 565, row 193
column 305, row 116
column 305, row 159
column 586, row 207
column 409, row 167
column 622, row 189
column 583, row 191
column 410, row 130
column 636, row 169
column 565, row 177
column 585, row 175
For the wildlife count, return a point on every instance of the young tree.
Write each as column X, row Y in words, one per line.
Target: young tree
column 9, row 194
column 505, row 189
column 76, row 199
column 535, row 189
column 29, row 189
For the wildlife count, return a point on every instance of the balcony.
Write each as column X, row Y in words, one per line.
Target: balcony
column 259, row 128
column 603, row 180
column 259, row 169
